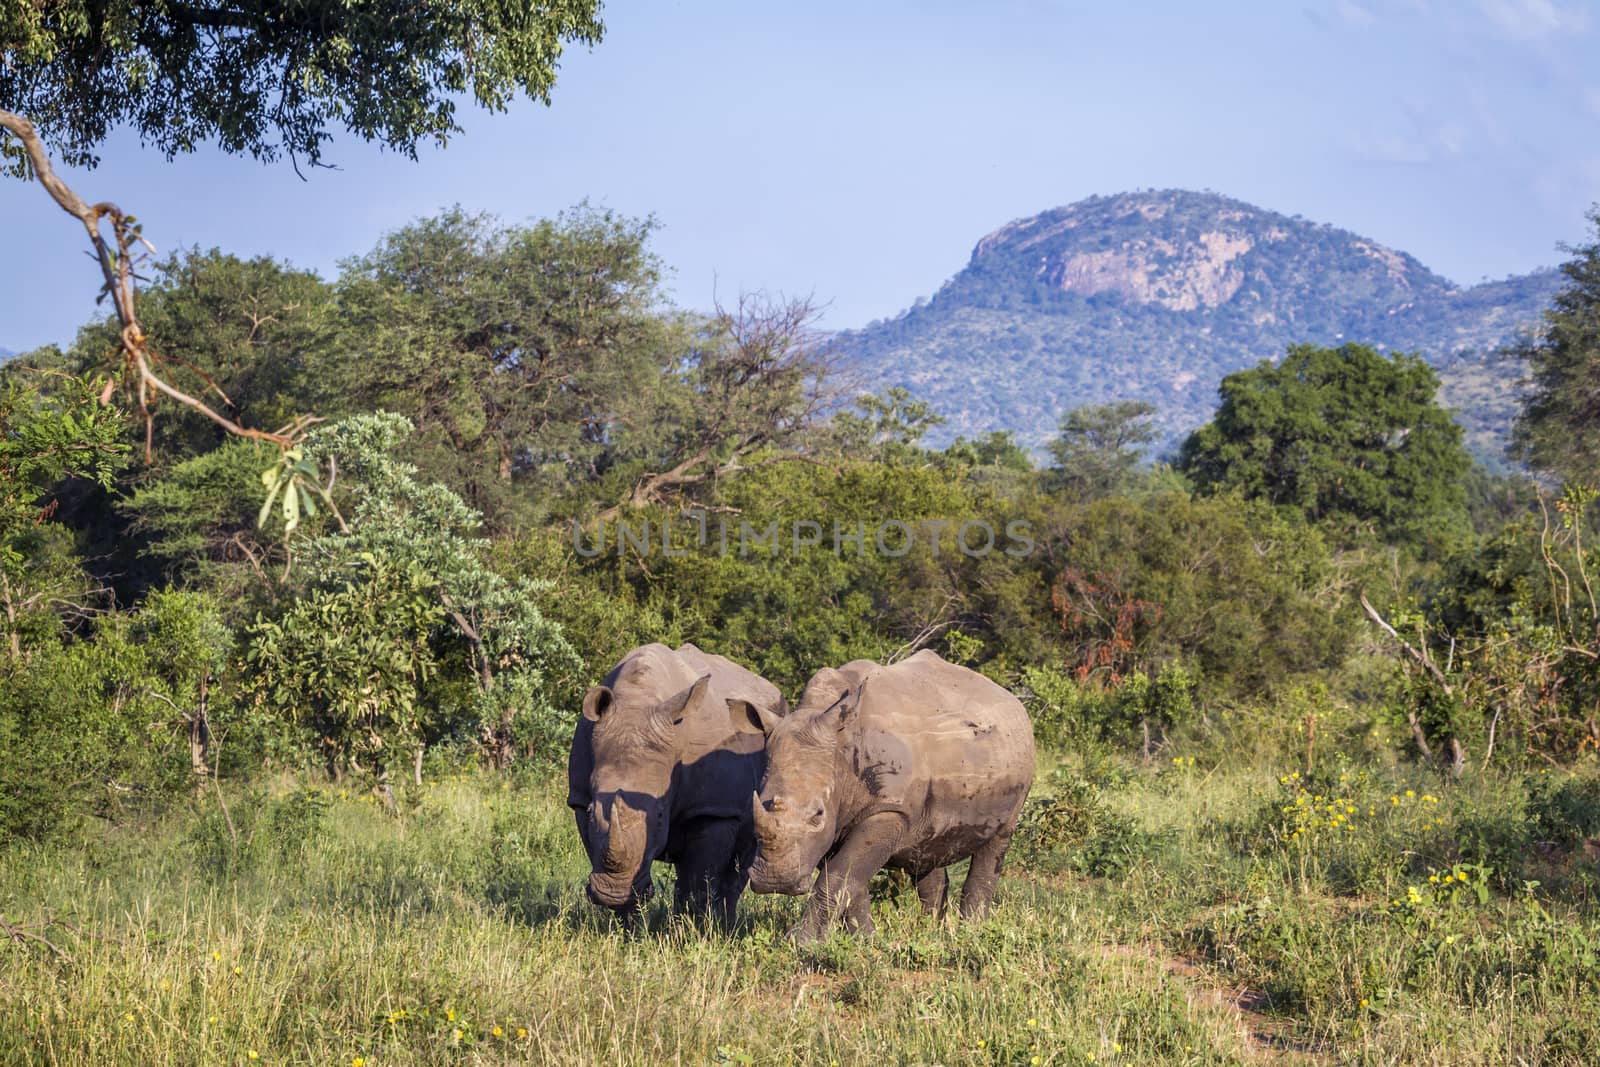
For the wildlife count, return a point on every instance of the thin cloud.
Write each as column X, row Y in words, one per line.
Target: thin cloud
column 1534, row 19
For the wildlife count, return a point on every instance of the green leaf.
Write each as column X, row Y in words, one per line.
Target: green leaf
column 266, row 506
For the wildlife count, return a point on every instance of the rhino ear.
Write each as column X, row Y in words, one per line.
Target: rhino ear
column 596, row 702
column 674, row 708
column 748, row 717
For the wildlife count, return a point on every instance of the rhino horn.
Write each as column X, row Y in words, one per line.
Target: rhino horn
column 766, row 832
column 625, row 822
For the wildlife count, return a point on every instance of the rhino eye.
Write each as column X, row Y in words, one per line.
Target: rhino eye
column 816, row 816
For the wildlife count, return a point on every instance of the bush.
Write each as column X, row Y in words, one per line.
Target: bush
column 1069, row 713
column 1072, row 828
column 98, row 726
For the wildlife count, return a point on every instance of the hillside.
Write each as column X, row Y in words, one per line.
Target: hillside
column 1157, row 295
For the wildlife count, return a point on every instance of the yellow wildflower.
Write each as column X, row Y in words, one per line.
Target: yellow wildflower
column 497, row 1032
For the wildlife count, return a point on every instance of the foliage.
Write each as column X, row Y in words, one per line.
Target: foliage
column 521, row 353
column 1085, row 716
column 94, row 726
column 1346, row 436
column 1503, row 649
column 246, row 333
column 44, row 440
column 1100, row 446
column 1247, row 595
column 785, row 571
column 351, row 660
column 272, row 80
column 1556, row 429
column 198, row 520
column 405, row 636
column 886, row 427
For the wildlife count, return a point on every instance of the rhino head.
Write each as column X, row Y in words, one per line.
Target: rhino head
column 796, row 813
column 625, row 824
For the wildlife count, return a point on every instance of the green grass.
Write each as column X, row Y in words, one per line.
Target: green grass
column 1151, row 915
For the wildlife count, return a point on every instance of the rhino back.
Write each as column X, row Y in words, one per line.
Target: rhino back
column 944, row 745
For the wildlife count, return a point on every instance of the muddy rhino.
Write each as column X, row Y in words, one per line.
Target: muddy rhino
column 913, row 766
column 659, row 771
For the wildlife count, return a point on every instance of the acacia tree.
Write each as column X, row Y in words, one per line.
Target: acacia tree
column 521, row 352
column 755, row 381
column 1100, row 446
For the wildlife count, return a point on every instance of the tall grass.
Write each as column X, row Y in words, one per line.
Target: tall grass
column 1153, row 915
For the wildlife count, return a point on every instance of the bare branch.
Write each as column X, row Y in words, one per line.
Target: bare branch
column 116, row 259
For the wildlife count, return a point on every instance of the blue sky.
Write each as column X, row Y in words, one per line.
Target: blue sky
column 857, row 151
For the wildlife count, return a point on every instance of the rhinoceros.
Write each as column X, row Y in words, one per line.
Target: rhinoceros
column 660, row 770
column 913, row 766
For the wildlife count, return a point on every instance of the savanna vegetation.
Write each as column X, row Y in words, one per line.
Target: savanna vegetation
column 302, row 580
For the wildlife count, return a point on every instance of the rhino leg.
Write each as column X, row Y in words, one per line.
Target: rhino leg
column 984, row 876
column 931, row 890
column 709, row 874
column 840, row 893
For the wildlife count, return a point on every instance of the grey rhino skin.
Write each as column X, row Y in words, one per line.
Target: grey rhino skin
column 659, row 771
column 913, row 766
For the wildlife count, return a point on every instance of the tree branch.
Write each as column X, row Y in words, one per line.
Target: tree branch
column 116, row 268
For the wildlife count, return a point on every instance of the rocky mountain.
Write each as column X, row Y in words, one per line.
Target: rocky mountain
column 1157, row 295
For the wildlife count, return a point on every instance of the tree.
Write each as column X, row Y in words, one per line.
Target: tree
column 44, row 440
column 405, row 636
column 516, row 350
column 1558, row 430
column 1344, row 435
column 886, row 427
column 1248, row 595
column 259, row 78
column 258, row 330
column 271, row 79
column 752, row 386
column 1100, row 446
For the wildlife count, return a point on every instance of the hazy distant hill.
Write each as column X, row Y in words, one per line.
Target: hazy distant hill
column 5, row 354
column 1157, row 295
